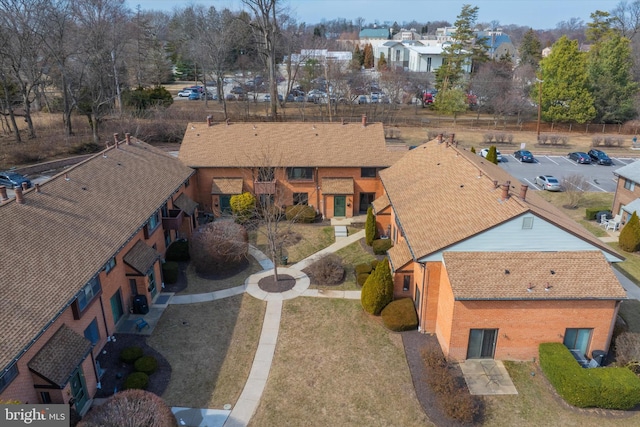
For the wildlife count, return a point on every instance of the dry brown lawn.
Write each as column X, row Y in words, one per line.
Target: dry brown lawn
column 589, row 200
column 198, row 284
column 307, row 239
column 336, row 366
column 210, row 347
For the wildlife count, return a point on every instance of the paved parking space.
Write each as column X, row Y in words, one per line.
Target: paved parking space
column 599, row 178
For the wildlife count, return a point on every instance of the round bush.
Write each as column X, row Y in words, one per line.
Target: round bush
column 363, row 268
column 400, row 315
column 137, row 380
column 178, row 251
column 146, row 364
column 374, row 264
column 301, row 213
column 381, row 246
column 131, row 354
column 362, row 277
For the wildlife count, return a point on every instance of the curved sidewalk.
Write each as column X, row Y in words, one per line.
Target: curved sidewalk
column 249, row 399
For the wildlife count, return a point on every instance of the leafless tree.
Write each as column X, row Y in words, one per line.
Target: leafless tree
column 574, row 186
column 626, row 18
column 266, row 31
column 131, row 408
column 218, row 246
column 627, row 346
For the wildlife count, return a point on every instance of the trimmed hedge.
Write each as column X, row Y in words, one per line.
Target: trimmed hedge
column 400, row 315
column 607, row 388
column 370, row 227
column 301, row 213
column 178, row 251
column 137, row 380
column 590, row 213
column 146, row 364
column 170, row 272
column 381, row 246
column 377, row 291
column 131, row 354
column 363, row 268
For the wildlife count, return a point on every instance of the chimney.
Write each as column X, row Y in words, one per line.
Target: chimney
column 25, row 186
column 127, row 137
column 115, row 138
column 523, row 191
column 364, row 120
column 451, row 138
column 440, row 136
column 495, row 184
column 505, row 191
column 227, row 122
column 3, row 193
column 209, row 120
column 19, row 198
column 37, row 187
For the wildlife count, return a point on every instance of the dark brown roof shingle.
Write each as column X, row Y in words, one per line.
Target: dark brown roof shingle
column 63, row 235
column 531, row 275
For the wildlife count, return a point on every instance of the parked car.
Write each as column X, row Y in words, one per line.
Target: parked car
column 230, row 97
column 362, row 99
column 485, row 151
column 195, row 95
column 548, row 182
column 209, row 96
column 600, row 157
column 13, row 180
column 299, row 98
column 524, row 156
column 237, row 90
column 200, row 89
column 580, row 157
column 267, row 98
column 184, row 93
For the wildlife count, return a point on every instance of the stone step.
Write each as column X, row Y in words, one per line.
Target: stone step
column 341, row 231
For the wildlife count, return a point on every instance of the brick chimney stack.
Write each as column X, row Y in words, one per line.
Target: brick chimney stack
column 115, row 138
column 451, row 138
column 505, row 191
column 209, row 120
column 127, row 137
column 3, row 193
column 523, row 191
column 37, row 187
column 440, row 138
column 364, row 120
column 25, row 186
column 19, row 196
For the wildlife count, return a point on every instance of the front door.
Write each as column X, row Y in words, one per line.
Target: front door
column 116, row 306
column 152, row 283
column 339, row 205
column 482, row 343
column 79, row 389
column 225, row 204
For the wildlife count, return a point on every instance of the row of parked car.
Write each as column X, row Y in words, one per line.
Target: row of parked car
column 549, row 182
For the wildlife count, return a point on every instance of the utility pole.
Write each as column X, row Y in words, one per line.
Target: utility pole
column 539, row 108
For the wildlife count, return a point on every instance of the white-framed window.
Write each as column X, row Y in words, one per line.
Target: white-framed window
column 629, row 185
column 88, row 293
column 154, row 220
column 527, row 223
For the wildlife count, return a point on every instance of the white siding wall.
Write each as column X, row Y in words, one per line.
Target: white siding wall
column 510, row 236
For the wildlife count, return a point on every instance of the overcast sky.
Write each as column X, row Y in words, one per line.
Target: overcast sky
column 539, row 14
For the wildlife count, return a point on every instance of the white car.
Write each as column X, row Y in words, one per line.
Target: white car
column 184, row 93
column 485, row 151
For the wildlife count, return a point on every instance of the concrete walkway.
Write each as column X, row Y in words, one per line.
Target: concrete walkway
column 249, row 399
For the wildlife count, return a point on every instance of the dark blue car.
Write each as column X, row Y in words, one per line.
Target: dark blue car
column 600, row 157
column 524, row 156
column 13, row 180
column 580, row 157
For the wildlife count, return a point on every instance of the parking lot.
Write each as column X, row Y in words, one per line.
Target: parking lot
column 600, row 178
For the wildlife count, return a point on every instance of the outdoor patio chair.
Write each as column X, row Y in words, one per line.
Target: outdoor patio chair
column 603, row 220
column 141, row 324
column 614, row 224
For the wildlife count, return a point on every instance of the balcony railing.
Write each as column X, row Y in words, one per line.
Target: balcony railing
column 174, row 220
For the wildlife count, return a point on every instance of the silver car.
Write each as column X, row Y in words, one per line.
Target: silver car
column 548, row 182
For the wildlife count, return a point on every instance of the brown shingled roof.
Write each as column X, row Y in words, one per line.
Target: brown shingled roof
column 226, row 186
column 531, row 275
column 337, row 185
column 141, row 257
column 60, row 356
column 286, row 144
column 63, row 235
column 443, row 195
column 399, row 255
column 185, row 203
column 380, row 203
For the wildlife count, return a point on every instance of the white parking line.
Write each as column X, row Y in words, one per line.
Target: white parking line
column 551, row 160
column 599, row 188
column 533, row 184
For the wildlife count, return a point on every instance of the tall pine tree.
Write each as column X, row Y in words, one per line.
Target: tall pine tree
column 530, row 49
